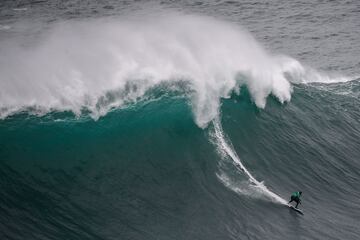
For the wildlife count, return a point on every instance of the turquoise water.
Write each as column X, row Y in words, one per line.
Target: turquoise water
column 147, row 171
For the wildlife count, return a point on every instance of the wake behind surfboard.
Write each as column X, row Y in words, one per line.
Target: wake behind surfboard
column 296, row 209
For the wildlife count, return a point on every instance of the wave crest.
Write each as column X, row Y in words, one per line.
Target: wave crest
column 75, row 65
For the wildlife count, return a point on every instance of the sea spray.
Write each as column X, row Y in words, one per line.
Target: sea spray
column 102, row 64
column 96, row 65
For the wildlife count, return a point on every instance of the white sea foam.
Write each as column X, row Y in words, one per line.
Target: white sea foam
column 20, row 9
column 5, row 27
column 75, row 65
column 298, row 73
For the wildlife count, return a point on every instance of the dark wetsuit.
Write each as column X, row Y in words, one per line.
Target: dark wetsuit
column 296, row 198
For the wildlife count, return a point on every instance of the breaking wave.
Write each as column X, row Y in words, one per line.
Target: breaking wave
column 98, row 65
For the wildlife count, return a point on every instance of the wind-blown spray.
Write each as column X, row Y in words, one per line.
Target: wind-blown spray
column 102, row 64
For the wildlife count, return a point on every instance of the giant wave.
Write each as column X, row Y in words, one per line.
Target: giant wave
column 97, row 65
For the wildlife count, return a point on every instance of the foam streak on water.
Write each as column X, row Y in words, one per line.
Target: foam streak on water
column 97, row 65
column 224, row 146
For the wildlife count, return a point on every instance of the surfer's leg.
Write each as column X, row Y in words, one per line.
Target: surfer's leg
column 297, row 203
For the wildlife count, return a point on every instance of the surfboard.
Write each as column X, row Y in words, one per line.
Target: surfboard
column 296, row 209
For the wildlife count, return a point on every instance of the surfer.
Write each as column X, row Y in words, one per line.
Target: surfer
column 296, row 198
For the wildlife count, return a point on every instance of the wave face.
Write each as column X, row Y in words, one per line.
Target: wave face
column 148, row 171
column 177, row 126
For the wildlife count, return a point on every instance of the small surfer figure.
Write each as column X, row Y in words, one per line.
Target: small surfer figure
column 296, row 198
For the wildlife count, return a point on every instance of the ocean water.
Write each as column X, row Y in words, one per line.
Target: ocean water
column 179, row 119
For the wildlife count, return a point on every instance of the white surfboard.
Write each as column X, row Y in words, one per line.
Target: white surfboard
column 296, row 209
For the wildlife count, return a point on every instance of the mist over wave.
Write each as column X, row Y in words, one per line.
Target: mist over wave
column 97, row 65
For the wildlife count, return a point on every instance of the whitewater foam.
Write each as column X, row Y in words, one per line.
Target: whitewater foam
column 76, row 64
column 98, row 65
column 4, row 27
column 20, row 9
